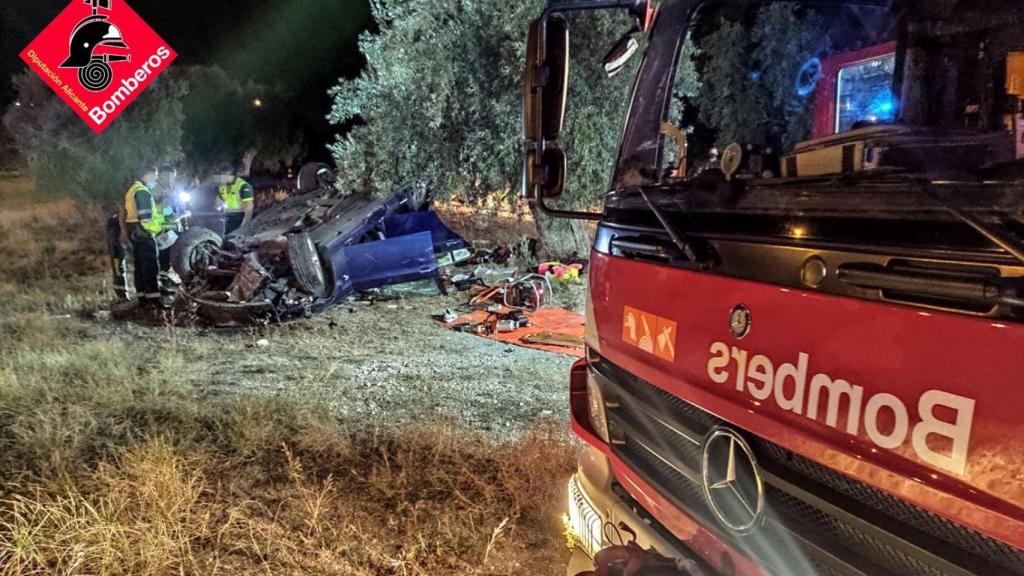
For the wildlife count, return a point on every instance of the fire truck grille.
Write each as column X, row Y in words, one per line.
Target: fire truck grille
column 818, row 521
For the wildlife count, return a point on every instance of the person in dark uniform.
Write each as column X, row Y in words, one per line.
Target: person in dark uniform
column 144, row 221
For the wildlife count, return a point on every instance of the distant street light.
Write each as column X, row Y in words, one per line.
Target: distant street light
column 17, row 103
column 257, row 103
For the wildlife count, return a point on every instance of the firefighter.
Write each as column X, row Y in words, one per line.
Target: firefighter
column 235, row 195
column 144, row 220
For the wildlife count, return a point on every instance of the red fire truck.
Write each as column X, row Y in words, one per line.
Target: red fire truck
column 816, row 369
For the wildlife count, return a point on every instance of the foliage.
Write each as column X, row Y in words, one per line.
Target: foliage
column 195, row 117
column 688, row 81
column 441, row 100
column 749, row 76
column 66, row 157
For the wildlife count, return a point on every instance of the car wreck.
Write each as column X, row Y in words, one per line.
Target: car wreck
column 311, row 251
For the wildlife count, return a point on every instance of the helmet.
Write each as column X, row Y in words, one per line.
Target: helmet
column 90, row 33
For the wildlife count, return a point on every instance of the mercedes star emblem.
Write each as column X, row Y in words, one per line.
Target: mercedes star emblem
column 739, row 321
column 732, row 481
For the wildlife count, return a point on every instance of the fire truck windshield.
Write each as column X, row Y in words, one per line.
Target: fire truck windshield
column 754, row 81
column 832, row 123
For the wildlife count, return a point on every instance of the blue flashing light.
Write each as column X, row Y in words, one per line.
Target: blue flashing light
column 884, row 106
column 808, row 77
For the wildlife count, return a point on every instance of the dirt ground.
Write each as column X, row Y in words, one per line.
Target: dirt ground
column 387, row 363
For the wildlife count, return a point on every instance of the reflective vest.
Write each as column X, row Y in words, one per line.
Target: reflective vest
column 231, row 194
column 150, row 218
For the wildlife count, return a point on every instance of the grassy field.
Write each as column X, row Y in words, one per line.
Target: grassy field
column 366, row 441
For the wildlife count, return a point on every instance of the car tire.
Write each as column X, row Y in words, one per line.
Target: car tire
column 314, row 176
column 307, row 268
column 187, row 251
column 420, row 196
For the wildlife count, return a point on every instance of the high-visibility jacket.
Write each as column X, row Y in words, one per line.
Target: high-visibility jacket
column 234, row 194
column 140, row 208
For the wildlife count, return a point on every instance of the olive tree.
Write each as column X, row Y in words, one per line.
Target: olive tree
column 749, row 75
column 440, row 101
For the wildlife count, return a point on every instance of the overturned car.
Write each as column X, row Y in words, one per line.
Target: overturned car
column 312, row 251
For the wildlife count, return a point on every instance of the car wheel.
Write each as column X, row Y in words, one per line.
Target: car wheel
column 420, row 196
column 314, row 176
column 307, row 269
column 191, row 253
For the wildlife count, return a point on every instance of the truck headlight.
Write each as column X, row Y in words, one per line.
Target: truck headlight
column 590, row 332
column 583, row 524
column 597, row 409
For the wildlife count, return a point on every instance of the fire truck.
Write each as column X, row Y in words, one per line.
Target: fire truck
column 811, row 363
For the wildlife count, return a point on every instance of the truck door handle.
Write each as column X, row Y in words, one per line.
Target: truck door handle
column 957, row 289
column 968, row 289
column 980, row 290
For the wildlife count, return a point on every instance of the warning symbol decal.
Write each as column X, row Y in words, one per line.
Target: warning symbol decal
column 650, row 333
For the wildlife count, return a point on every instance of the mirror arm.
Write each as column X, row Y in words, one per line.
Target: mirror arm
column 566, row 214
column 540, row 144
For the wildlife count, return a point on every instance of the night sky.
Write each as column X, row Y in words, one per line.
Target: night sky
column 301, row 45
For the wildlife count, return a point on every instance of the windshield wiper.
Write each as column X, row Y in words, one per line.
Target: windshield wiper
column 680, row 239
column 1011, row 244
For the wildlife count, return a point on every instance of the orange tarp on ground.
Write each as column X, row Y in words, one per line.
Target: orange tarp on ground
column 551, row 320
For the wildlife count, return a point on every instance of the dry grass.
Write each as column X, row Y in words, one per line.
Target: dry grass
column 118, row 477
column 499, row 221
column 110, row 465
column 47, row 242
column 381, row 506
column 112, row 462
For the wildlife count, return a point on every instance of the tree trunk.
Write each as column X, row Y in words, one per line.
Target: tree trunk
column 247, row 160
column 562, row 239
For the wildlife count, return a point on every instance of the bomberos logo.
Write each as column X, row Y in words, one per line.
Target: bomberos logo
column 98, row 56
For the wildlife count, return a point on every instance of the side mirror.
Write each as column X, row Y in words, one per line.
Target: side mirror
column 620, row 54
column 646, row 13
column 544, row 174
column 546, row 79
column 615, row 61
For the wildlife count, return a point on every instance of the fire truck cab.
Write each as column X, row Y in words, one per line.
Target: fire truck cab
column 814, row 367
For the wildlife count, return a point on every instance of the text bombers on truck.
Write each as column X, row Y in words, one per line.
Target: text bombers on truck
column 788, row 385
